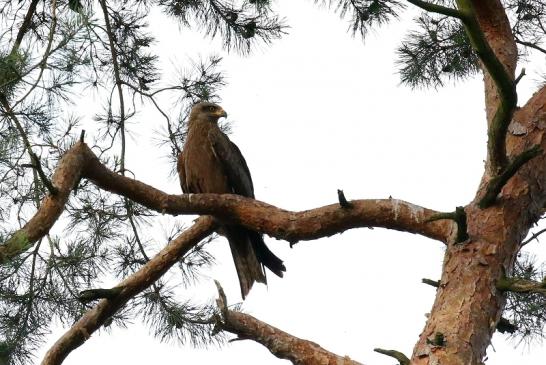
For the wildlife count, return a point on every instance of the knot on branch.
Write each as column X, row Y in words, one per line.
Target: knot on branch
column 94, row 294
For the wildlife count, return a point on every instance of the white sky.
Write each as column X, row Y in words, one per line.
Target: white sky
column 318, row 111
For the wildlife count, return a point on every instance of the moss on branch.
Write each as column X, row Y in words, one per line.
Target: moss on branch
column 496, row 184
column 504, row 82
column 521, row 285
column 459, row 217
column 402, row 359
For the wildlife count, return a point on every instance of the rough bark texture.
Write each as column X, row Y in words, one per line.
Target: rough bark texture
column 80, row 161
column 281, row 344
column 93, row 319
column 468, row 304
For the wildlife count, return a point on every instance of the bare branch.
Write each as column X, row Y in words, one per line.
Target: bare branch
column 131, row 286
column 531, row 45
column 281, row 344
column 435, row 8
column 117, row 77
column 533, row 237
column 33, row 157
column 80, row 161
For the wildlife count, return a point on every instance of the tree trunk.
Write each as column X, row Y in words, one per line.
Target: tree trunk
column 468, row 305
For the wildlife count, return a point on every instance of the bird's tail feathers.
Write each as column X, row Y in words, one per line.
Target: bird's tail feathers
column 264, row 254
column 246, row 262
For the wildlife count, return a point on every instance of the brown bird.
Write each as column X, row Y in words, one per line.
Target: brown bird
column 211, row 163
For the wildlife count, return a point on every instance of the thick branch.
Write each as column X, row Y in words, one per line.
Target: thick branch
column 80, row 161
column 278, row 223
column 504, row 83
column 281, row 344
column 131, row 286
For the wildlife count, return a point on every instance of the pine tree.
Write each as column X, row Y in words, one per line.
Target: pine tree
column 52, row 50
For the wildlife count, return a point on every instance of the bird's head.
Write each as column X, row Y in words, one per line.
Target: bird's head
column 206, row 111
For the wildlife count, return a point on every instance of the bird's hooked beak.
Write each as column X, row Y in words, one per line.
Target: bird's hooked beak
column 221, row 113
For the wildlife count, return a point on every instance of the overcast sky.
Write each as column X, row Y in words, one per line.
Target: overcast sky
column 317, row 111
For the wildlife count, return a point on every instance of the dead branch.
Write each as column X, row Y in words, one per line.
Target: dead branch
column 281, row 344
column 131, row 286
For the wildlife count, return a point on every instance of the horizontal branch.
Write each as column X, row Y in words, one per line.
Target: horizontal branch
column 128, row 288
column 80, row 161
column 281, row 344
column 279, row 223
column 531, row 45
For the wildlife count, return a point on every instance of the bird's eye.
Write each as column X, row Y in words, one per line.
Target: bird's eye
column 211, row 108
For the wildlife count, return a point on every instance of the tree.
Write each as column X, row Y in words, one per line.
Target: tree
column 57, row 47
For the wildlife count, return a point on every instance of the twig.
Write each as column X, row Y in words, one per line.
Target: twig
column 435, row 8
column 434, row 283
column 342, row 200
column 533, row 237
column 115, row 64
column 33, row 157
column 531, row 45
column 46, row 55
column 402, row 359
column 520, row 76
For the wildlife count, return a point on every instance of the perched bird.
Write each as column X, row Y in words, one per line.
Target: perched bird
column 211, row 163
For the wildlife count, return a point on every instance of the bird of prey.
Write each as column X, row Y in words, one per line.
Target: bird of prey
column 211, row 163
